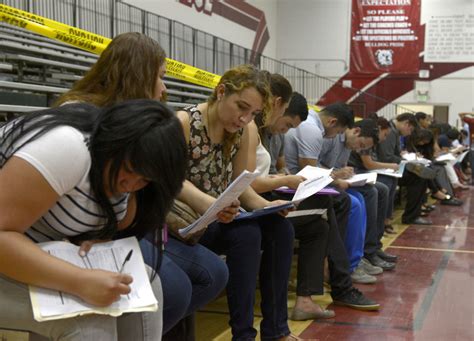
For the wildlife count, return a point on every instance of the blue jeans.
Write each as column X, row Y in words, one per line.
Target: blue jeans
column 356, row 229
column 242, row 242
column 191, row 277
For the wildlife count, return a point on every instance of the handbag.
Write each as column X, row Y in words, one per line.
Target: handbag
column 182, row 215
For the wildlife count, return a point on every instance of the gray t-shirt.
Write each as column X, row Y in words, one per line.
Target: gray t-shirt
column 276, row 149
column 334, row 153
column 389, row 150
column 305, row 141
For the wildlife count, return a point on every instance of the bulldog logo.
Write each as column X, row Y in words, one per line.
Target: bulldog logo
column 384, row 57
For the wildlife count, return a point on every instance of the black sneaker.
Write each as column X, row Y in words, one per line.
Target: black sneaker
column 388, row 257
column 356, row 300
column 451, row 202
column 375, row 260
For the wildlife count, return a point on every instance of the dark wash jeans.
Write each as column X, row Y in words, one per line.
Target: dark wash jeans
column 242, row 243
column 191, row 276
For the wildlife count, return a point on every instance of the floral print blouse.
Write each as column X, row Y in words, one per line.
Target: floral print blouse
column 208, row 169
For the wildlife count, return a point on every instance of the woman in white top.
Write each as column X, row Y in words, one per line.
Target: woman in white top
column 81, row 173
column 311, row 231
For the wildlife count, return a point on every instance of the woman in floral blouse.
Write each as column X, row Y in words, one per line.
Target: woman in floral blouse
column 218, row 145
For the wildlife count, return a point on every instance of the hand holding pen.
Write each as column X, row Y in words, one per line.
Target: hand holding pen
column 127, row 258
column 103, row 287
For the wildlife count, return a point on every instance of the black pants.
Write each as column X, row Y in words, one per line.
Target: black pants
column 416, row 188
column 338, row 260
column 338, row 208
column 312, row 233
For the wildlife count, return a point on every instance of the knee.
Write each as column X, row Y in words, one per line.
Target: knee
column 383, row 191
column 246, row 234
column 373, row 193
column 177, row 292
column 84, row 328
column 356, row 205
column 282, row 227
column 218, row 275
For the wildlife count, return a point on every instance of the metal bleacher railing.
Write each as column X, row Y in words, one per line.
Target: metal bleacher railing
column 35, row 70
column 181, row 42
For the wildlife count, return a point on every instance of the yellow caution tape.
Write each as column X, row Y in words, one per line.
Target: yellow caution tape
column 56, row 25
column 191, row 74
column 96, row 44
column 52, row 33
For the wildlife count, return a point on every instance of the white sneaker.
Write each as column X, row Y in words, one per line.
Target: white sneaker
column 361, row 277
column 369, row 268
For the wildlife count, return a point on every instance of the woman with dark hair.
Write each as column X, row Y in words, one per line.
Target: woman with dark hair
column 133, row 66
column 422, row 141
column 81, row 173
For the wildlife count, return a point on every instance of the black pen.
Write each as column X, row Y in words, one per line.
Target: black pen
column 129, row 255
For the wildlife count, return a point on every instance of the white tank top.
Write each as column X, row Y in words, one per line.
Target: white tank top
column 263, row 160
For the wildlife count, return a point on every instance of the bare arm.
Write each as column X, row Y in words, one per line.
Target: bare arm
column 303, row 162
column 280, row 164
column 265, row 183
column 370, row 163
column 268, row 183
column 24, row 198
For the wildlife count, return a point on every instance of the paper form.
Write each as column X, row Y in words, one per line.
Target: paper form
column 310, row 172
column 311, row 186
column 362, row 179
column 233, row 192
column 391, row 172
column 51, row 304
column 299, row 213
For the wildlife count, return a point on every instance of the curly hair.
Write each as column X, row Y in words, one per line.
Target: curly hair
column 236, row 80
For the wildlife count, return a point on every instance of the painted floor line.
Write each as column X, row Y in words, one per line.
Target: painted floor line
column 452, row 227
column 430, row 249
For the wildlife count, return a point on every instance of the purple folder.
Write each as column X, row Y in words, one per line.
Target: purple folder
column 324, row 191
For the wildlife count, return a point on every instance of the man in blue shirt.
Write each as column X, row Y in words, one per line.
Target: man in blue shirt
column 335, row 154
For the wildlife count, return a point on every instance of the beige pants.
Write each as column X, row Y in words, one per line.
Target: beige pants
column 16, row 313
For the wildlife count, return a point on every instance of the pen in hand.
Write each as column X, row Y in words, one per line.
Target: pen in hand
column 129, row 255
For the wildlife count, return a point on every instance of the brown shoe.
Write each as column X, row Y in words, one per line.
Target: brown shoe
column 300, row 315
column 293, row 337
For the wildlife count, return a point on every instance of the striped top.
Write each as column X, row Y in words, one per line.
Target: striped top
column 62, row 157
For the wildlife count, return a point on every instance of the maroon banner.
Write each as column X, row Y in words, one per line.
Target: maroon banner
column 385, row 36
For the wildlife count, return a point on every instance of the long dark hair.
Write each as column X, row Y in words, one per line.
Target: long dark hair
column 415, row 143
column 143, row 135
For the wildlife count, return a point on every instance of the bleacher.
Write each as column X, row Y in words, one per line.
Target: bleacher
column 35, row 70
